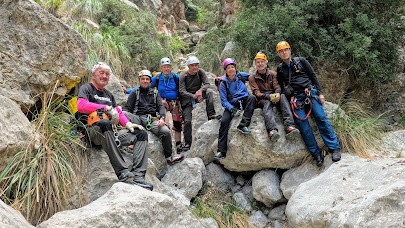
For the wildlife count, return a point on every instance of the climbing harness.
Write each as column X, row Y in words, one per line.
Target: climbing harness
column 307, row 101
column 96, row 116
column 117, row 141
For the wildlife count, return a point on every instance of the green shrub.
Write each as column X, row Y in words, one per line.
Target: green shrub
column 363, row 35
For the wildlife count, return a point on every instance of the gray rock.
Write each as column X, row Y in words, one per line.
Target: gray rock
column 37, row 50
column 278, row 213
column 248, row 191
column 10, row 218
column 393, row 144
column 266, row 187
column 209, row 223
column 258, row 219
column 240, row 180
column 236, row 188
column 242, row 201
column 187, row 176
column 228, row 50
column 126, row 205
column 196, row 36
column 15, row 130
column 221, row 179
column 353, row 192
column 114, row 86
column 194, row 28
column 183, row 24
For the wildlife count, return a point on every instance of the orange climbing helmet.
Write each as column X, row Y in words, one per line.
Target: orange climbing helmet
column 282, row 45
column 261, row 55
column 96, row 116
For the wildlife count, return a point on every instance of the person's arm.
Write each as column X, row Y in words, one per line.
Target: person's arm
column 276, row 85
column 128, row 91
column 85, row 106
column 311, row 74
column 254, row 87
column 153, row 83
column 123, row 119
column 244, row 75
column 160, row 107
column 224, row 97
column 130, row 105
column 204, row 79
column 182, row 86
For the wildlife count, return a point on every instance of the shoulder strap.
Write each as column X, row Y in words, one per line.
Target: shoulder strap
column 176, row 80
column 240, row 77
column 157, row 81
column 137, row 92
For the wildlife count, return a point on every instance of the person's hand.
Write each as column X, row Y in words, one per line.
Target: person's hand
column 115, row 117
column 107, row 108
column 266, row 96
column 234, row 111
column 198, row 96
column 160, row 122
column 131, row 127
column 275, row 97
column 322, row 97
column 124, row 88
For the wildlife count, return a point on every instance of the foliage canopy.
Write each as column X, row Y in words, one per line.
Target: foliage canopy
column 361, row 35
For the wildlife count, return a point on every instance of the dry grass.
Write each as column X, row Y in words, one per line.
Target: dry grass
column 219, row 206
column 39, row 180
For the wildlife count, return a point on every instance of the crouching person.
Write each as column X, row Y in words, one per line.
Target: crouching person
column 234, row 98
column 95, row 100
column 142, row 107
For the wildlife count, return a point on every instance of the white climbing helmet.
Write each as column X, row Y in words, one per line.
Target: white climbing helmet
column 192, row 60
column 145, row 72
column 165, row 61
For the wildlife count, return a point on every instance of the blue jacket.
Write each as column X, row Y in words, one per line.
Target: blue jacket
column 167, row 89
column 237, row 90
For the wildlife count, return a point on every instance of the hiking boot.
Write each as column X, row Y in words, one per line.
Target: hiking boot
column 292, row 132
column 218, row 117
column 140, row 181
column 335, row 154
column 186, row 147
column 274, row 135
column 219, row 155
column 319, row 159
column 179, row 148
column 126, row 176
column 174, row 158
column 244, row 130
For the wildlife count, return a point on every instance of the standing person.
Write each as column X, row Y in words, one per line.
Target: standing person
column 95, row 100
column 265, row 87
column 194, row 88
column 234, row 98
column 143, row 106
column 167, row 84
column 299, row 81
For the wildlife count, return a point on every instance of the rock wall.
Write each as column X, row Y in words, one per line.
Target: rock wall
column 36, row 51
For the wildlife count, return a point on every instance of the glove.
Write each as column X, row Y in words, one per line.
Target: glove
column 234, row 111
column 131, row 127
column 266, row 96
column 115, row 117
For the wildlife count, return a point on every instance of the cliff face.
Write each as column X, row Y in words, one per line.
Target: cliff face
column 37, row 50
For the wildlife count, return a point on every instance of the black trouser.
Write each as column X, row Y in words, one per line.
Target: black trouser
column 268, row 113
column 101, row 133
column 208, row 95
column 248, row 104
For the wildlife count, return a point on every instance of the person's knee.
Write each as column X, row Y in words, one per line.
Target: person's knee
column 177, row 126
column 141, row 135
column 104, row 124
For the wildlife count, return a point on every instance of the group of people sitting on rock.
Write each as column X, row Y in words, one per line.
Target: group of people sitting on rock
column 148, row 105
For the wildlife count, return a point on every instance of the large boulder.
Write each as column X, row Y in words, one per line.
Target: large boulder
column 187, row 176
column 11, row 218
column 126, row 206
column 266, row 188
column 16, row 132
column 353, row 192
column 37, row 51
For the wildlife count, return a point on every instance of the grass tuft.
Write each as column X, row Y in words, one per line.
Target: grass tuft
column 39, row 180
column 357, row 130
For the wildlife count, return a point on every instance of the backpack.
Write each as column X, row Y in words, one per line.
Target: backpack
column 176, row 80
column 219, row 80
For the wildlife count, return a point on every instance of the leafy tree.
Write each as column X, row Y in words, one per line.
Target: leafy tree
column 363, row 36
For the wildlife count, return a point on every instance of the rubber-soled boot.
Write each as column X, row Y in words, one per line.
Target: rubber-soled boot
column 336, row 155
column 140, row 181
column 126, row 176
column 319, row 159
